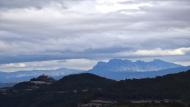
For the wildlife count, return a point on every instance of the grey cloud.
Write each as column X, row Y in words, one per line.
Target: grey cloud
column 24, row 3
column 78, row 32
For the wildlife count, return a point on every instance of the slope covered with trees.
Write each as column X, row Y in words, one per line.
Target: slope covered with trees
column 74, row 89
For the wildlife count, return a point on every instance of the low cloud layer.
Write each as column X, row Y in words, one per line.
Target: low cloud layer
column 79, row 64
column 41, row 30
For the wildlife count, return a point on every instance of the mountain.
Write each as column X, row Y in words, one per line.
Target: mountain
column 19, row 76
column 80, row 88
column 121, row 69
column 119, row 65
column 114, row 69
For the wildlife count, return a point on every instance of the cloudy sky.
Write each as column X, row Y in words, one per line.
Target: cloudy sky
column 49, row 34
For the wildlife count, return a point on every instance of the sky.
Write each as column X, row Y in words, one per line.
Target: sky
column 51, row 34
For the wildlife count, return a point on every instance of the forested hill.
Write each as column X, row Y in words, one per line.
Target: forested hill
column 74, row 89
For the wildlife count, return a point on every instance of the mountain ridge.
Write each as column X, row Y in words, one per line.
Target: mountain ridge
column 154, row 65
column 121, row 69
column 114, row 69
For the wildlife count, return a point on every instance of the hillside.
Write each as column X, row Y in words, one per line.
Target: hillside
column 74, row 89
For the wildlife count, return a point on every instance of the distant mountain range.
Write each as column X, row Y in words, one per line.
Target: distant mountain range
column 19, row 76
column 121, row 69
column 117, row 69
